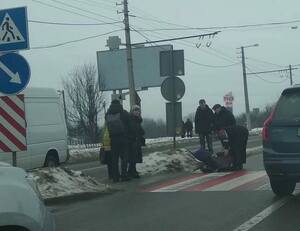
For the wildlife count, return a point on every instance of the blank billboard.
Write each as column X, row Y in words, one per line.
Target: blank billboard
column 112, row 68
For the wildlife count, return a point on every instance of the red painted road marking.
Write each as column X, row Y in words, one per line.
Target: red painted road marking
column 174, row 181
column 252, row 184
column 216, row 181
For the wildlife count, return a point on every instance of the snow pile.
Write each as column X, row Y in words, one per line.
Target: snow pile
column 255, row 131
column 168, row 161
column 80, row 154
column 60, row 182
column 158, row 142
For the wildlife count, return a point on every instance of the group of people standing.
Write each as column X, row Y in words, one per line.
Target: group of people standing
column 221, row 121
column 123, row 139
column 187, row 128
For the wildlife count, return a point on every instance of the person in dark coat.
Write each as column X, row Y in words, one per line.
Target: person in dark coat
column 234, row 140
column 204, row 124
column 182, row 130
column 189, row 128
column 135, row 141
column 222, row 117
column 118, row 124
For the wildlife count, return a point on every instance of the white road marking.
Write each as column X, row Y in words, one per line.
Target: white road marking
column 236, row 182
column 262, row 215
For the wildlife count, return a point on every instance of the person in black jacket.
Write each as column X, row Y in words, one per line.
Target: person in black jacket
column 118, row 123
column 189, row 128
column 204, row 124
column 222, row 118
column 234, row 140
column 136, row 141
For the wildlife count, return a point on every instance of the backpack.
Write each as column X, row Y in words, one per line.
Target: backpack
column 115, row 125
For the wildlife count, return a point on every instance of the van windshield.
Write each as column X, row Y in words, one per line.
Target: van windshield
column 288, row 107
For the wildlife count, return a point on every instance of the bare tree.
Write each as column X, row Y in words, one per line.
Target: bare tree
column 84, row 100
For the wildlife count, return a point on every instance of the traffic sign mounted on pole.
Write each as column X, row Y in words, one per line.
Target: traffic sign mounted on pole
column 14, row 29
column 12, row 125
column 14, row 73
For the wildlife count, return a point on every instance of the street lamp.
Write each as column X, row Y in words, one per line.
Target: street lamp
column 245, row 85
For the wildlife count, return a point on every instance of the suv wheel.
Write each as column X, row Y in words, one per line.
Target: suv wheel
column 282, row 187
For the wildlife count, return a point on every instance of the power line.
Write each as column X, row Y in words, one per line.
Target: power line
column 66, row 10
column 222, row 27
column 87, row 11
column 188, row 44
column 212, row 66
column 186, row 59
column 272, row 71
column 72, row 24
column 262, row 61
column 74, row 41
column 178, row 38
column 268, row 81
column 161, row 21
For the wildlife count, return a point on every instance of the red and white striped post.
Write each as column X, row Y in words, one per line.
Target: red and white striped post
column 12, row 125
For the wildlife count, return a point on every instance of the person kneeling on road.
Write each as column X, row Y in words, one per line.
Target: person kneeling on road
column 234, row 140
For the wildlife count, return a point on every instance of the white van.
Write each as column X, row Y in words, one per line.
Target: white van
column 46, row 130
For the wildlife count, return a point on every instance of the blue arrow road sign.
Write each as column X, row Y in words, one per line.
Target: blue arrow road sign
column 14, row 29
column 14, row 73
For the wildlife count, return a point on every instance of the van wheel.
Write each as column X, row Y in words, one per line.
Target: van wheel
column 282, row 187
column 51, row 161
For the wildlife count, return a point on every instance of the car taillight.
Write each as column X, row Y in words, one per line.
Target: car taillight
column 265, row 131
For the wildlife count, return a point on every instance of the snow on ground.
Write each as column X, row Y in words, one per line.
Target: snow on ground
column 256, row 131
column 60, row 182
column 168, row 161
column 171, row 161
column 80, row 154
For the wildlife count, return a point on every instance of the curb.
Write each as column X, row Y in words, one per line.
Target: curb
column 85, row 196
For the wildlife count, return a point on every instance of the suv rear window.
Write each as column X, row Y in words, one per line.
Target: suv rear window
column 288, row 107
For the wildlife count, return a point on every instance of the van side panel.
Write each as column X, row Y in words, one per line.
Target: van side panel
column 46, row 129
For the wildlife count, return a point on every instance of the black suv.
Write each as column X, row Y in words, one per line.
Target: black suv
column 281, row 143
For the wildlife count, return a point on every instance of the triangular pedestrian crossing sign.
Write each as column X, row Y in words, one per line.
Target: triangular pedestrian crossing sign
column 9, row 33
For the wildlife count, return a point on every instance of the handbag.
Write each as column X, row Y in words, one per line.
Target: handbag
column 102, row 156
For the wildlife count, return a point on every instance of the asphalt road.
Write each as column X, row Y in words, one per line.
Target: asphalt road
column 237, row 201
column 140, row 209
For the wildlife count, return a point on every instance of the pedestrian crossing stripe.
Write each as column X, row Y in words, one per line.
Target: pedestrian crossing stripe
column 213, row 182
column 9, row 32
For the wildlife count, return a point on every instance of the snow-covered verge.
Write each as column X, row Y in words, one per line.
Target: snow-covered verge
column 255, row 131
column 171, row 161
column 79, row 153
column 76, row 155
column 168, row 161
column 61, row 182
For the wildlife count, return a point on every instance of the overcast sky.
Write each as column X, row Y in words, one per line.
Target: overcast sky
column 278, row 45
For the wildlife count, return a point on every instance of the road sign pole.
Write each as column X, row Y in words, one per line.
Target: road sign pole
column 173, row 97
column 14, row 159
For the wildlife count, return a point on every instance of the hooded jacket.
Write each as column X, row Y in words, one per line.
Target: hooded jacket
column 204, row 120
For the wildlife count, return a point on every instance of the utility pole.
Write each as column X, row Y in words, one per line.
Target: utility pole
column 291, row 75
column 248, row 119
column 129, row 55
